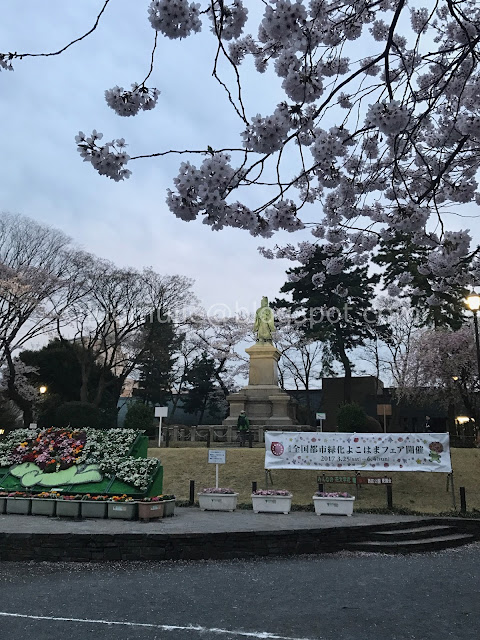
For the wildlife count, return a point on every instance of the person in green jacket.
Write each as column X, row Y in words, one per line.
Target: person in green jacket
column 243, row 427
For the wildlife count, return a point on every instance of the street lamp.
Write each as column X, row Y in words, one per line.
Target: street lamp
column 43, row 389
column 473, row 303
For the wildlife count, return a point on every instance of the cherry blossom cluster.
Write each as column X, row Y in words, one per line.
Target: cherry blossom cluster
column 174, row 18
column 129, row 103
column 228, row 20
column 381, row 145
column 109, row 159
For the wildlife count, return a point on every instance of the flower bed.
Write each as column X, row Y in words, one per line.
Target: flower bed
column 55, row 457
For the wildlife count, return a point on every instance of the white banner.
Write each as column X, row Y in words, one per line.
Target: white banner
column 356, row 451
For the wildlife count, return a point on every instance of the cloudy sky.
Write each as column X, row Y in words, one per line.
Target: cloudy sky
column 46, row 101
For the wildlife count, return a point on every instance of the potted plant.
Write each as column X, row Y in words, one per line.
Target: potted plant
column 334, row 503
column 45, row 503
column 272, row 501
column 69, row 506
column 217, row 499
column 18, row 502
column 3, row 501
column 168, row 505
column 93, row 506
column 150, row 508
column 122, row 507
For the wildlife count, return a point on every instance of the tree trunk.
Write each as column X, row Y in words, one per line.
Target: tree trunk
column 26, row 406
column 347, row 367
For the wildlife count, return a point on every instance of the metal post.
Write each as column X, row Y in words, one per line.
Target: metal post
column 208, row 439
column 167, row 438
column 454, row 502
column 320, row 486
column 191, row 499
column 463, row 501
column 250, row 439
column 254, row 487
column 389, row 496
column 477, row 340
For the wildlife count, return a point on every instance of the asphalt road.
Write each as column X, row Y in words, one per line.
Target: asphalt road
column 332, row 597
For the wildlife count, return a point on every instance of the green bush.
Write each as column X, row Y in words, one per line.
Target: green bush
column 78, row 415
column 351, row 417
column 140, row 416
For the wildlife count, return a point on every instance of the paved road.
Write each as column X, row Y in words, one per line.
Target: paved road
column 332, row 597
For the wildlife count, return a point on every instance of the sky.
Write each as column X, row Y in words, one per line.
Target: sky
column 44, row 102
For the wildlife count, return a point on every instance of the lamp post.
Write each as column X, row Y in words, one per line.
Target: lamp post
column 473, row 303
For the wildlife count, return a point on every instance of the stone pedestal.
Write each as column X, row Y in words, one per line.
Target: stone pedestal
column 262, row 400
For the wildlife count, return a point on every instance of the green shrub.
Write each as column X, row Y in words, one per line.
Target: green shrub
column 140, row 416
column 78, row 415
column 351, row 417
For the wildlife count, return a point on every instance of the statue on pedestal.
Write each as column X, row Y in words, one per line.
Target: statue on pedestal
column 264, row 323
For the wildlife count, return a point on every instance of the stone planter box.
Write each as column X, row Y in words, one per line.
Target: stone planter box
column 20, row 506
column 68, row 508
column 150, row 510
column 271, row 504
column 93, row 509
column 43, row 506
column 333, row 506
column 168, row 508
column 217, row 501
column 122, row 510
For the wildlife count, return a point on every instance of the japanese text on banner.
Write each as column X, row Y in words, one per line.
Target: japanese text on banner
column 368, row 451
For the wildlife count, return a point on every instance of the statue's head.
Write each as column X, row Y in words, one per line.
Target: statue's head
column 264, row 302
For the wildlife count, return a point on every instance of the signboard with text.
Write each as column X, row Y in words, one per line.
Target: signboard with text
column 217, row 456
column 336, row 452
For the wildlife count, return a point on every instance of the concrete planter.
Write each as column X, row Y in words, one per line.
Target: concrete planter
column 122, row 510
column 21, row 506
column 271, row 504
column 333, row 506
column 93, row 509
column 68, row 508
column 150, row 510
column 217, row 501
column 168, row 508
column 43, row 506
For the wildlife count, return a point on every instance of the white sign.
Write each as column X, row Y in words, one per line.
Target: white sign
column 161, row 412
column 217, row 456
column 321, row 416
column 358, row 451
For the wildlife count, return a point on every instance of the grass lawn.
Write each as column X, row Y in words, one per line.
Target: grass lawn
column 423, row 492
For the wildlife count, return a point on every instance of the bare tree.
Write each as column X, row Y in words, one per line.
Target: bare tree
column 39, row 280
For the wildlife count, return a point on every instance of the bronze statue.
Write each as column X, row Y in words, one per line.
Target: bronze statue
column 264, row 325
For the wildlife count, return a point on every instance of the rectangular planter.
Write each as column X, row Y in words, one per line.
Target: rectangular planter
column 68, row 508
column 122, row 510
column 168, row 508
column 43, row 506
column 150, row 510
column 217, row 501
column 93, row 509
column 271, row 504
column 333, row 506
column 20, row 506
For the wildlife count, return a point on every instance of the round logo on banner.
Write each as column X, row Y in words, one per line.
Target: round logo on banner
column 277, row 448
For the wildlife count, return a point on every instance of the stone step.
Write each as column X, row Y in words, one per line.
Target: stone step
column 412, row 533
column 411, row 546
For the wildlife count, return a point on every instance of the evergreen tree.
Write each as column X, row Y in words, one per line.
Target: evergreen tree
column 406, row 262
column 202, row 394
column 334, row 307
column 161, row 343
